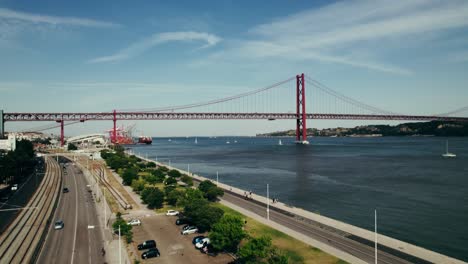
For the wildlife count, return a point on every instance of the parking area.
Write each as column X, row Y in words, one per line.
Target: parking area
column 174, row 247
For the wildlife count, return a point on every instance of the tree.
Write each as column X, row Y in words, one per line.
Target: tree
column 151, row 165
column 125, row 230
column 173, row 197
column 170, row 181
column 138, row 185
column 202, row 214
column 129, row 175
column 255, row 250
column 174, row 173
column 153, row 197
column 210, row 190
column 227, row 233
column 277, row 257
column 187, row 180
column 189, row 197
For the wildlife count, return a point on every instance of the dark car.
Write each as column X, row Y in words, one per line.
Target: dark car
column 65, row 190
column 152, row 253
column 182, row 221
column 147, row 244
column 197, row 239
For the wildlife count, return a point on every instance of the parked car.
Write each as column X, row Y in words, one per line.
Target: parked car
column 186, row 227
column 172, row 212
column 14, row 187
column 182, row 221
column 209, row 250
column 134, row 222
column 152, row 253
column 197, row 239
column 147, row 244
column 65, row 190
column 203, row 243
column 59, row 224
column 189, row 230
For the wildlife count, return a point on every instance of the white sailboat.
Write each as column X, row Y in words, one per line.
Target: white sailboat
column 280, row 143
column 447, row 154
column 196, row 141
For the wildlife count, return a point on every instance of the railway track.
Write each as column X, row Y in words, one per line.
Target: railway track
column 18, row 243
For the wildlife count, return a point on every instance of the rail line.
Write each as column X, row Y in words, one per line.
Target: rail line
column 21, row 238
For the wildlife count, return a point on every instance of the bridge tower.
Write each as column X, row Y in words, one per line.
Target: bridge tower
column 2, row 123
column 114, row 132
column 301, row 129
column 62, row 132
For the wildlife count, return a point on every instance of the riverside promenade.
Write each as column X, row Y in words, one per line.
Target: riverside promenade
column 345, row 241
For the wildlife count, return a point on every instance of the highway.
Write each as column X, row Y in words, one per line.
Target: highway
column 318, row 232
column 76, row 242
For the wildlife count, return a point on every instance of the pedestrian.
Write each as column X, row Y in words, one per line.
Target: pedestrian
column 103, row 251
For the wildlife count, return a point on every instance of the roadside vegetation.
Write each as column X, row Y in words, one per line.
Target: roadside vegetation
column 228, row 230
column 17, row 164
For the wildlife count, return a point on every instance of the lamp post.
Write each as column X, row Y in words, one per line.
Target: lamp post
column 268, row 202
column 217, row 178
column 120, row 256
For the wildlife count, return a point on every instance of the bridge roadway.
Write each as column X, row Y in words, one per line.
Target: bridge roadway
column 75, row 243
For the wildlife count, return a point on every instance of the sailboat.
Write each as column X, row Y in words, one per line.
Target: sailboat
column 447, row 154
column 196, row 141
column 280, row 143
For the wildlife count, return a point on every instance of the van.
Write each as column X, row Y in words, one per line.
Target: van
column 147, row 244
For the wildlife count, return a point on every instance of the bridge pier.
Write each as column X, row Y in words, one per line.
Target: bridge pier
column 114, row 132
column 2, row 125
column 62, row 132
column 301, row 116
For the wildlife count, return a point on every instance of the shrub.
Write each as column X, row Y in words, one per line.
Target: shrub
column 174, row 173
column 153, row 197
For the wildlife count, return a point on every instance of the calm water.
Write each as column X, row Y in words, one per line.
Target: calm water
column 421, row 197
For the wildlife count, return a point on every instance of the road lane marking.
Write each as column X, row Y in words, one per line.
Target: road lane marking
column 76, row 217
column 90, row 227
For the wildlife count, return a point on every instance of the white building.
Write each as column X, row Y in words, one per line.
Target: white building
column 8, row 144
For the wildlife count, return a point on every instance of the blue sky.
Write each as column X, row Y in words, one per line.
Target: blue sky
column 402, row 56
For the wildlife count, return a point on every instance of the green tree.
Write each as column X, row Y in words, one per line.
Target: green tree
column 227, row 233
column 125, row 230
column 255, row 250
column 187, row 180
column 174, row 173
column 189, row 197
column 129, row 175
column 277, row 257
column 151, row 164
column 170, row 181
column 202, row 214
column 138, row 185
column 153, row 197
column 173, row 197
column 210, row 190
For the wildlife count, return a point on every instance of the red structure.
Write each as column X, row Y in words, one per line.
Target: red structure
column 114, row 134
column 301, row 116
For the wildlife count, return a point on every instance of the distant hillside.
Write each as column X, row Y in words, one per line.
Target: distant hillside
column 433, row 128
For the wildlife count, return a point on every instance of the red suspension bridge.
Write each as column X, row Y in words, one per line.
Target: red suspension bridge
column 268, row 103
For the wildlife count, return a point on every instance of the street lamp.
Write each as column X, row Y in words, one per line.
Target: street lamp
column 268, row 202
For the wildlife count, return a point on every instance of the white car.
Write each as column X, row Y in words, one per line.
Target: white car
column 190, row 230
column 59, row 224
column 134, row 222
column 172, row 212
column 14, row 187
column 203, row 243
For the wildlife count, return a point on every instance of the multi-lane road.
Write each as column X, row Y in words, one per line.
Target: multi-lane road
column 80, row 241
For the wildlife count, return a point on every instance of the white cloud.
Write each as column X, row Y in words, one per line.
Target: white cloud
column 8, row 14
column 334, row 32
column 157, row 39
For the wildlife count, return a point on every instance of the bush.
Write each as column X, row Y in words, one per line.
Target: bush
column 174, row 173
column 72, row 146
column 153, row 197
column 170, row 181
column 151, row 165
column 138, row 185
column 173, row 197
column 129, row 175
column 210, row 190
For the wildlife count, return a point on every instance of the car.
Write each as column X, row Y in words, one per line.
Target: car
column 186, row 227
column 59, row 224
column 197, row 239
column 209, row 250
column 134, row 222
column 182, row 221
column 152, row 253
column 147, row 244
column 14, row 187
column 189, row 230
column 203, row 243
column 65, row 190
column 172, row 212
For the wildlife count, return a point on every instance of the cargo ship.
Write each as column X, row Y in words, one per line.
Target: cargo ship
column 145, row 140
column 121, row 136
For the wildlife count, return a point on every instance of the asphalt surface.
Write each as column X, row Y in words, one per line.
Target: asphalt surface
column 174, row 247
column 76, row 242
column 317, row 232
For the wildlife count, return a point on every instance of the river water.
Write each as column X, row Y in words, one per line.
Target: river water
column 420, row 197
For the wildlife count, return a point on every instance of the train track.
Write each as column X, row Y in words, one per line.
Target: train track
column 18, row 243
